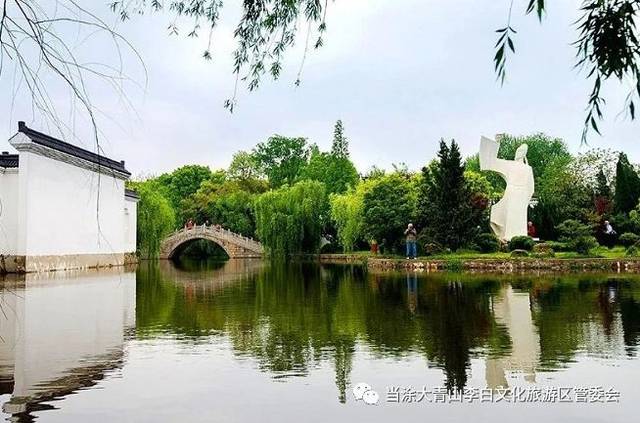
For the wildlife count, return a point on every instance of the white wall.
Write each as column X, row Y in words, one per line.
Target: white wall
column 58, row 207
column 8, row 211
column 130, row 225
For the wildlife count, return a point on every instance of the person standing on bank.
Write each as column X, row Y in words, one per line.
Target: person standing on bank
column 411, row 234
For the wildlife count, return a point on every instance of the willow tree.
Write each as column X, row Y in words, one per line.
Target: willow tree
column 156, row 218
column 289, row 220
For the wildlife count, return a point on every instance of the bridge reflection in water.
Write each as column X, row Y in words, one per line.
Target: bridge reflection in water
column 202, row 332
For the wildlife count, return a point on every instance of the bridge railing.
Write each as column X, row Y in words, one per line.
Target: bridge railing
column 224, row 234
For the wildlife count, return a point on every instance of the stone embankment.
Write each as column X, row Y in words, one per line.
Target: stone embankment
column 489, row 265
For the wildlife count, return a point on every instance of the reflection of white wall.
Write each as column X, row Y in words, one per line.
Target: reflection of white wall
column 63, row 322
column 8, row 211
column 513, row 309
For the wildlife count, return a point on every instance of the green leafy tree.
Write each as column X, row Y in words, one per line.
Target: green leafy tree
column 183, row 182
column 603, row 197
column 445, row 208
column 289, row 220
column 156, row 218
column 336, row 172
column 562, row 194
column 282, row 159
column 543, row 151
column 389, row 204
column 244, row 166
column 627, row 190
column 224, row 203
column 347, row 214
column 340, row 146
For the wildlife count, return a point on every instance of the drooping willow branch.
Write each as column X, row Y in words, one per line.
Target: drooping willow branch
column 608, row 46
column 267, row 29
column 35, row 41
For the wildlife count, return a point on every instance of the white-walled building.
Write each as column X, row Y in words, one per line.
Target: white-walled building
column 63, row 207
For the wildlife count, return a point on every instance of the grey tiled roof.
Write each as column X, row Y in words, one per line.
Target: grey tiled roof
column 8, row 160
column 131, row 193
column 56, row 144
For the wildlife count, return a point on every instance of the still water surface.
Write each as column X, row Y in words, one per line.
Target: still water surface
column 247, row 341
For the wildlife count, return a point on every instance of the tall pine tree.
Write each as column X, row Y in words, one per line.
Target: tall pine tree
column 445, row 209
column 627, row 190
column 340, row 147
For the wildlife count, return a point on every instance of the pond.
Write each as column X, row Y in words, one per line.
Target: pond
column 252, row 341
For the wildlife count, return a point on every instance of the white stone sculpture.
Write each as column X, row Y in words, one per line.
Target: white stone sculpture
column 509, row 215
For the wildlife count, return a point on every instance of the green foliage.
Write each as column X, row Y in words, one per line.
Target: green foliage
column 340, row 145
column 628, row 239
column 521, row 243
column 544, row 152
column 267, row 29
column 184, row 181
column 562, row 195
column 347, row 214
column 337, row 173
column 558, row 246
column 479, row 184
column 519, row 253
column 623, row 222
column 389, row 205
column 597, row 168
column 584, row 244
column 156, row 218
column 445, row 209
column 227, row 203
column 632, row 251
column 282, row 159
column 244, row 166
column 571, row 229
column 577, row 236
column 634, row 218
column 487, row 243
column 289, row 220
column 543, row 250
column 627, row 190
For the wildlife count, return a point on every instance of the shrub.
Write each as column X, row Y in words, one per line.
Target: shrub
column 557, row 246
column 628, row 239
column 543, row 250
column 571, row 229
column 632, row 251
column 584, row 244
column 521, row 243
column 432, row 248
column 487, row 243
column 577, row 236
column 519, row 253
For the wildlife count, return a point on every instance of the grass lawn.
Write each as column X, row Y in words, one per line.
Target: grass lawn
column 617, row 252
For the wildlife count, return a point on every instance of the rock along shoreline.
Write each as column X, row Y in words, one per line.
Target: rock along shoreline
column 507, row 265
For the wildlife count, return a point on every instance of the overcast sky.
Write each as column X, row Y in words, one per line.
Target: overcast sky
column 400, row 74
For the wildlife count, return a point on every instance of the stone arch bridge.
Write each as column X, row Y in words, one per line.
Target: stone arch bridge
column 235, row 245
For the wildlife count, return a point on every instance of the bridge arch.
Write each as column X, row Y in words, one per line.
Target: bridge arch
column 235, row 245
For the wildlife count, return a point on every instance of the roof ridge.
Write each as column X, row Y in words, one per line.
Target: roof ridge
column 68, row 148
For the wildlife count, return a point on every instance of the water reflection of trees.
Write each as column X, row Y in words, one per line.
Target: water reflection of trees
column 291, row 318
column 592, row 314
